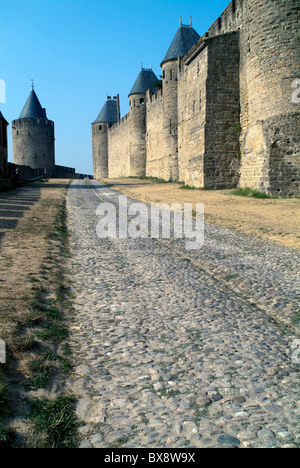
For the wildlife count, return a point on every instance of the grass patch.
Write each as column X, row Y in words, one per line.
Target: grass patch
column 54, row 331
column 189, row 187
column 153, row 179
column 248, row 192
column 7, row 435
column 55, row 421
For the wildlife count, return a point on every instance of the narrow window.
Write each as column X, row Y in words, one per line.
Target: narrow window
column 200, row 100
column 164, row 74
column 233, row 6
column 219, row 22
column 194, row 105
column 100, row 127
column 171, row 75
column 170, row 126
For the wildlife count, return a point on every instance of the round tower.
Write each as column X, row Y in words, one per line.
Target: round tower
column 33, row 137
column 109, row 114
column 137, row 105
column 183, row 41
column 271, row 160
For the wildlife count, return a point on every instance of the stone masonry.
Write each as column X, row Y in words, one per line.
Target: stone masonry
column 33, row 137
column 225, row 116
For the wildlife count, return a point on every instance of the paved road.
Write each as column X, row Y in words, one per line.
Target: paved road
column 181, row 348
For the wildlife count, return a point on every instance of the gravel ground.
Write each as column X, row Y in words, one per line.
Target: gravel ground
column 178, row 348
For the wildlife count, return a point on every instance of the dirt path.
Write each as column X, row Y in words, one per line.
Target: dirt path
column 274, row 220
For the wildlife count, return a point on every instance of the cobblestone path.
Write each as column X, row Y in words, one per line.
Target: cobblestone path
column 179, row 348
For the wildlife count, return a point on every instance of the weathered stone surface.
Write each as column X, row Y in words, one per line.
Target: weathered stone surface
column 167, row 354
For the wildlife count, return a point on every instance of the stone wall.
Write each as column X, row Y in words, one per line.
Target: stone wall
column 191, row 124
column 209, row 125
column 269, row 63
column 33, row 144
column 127, row 142
column 155, row 141
column 271, row 141
column 222, row 120
column 119, row 148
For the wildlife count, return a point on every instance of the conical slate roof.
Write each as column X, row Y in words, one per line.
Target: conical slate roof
column 33, row 108
column 144, row 81
column 183, row 41
column 109, row 112
column 3, row 118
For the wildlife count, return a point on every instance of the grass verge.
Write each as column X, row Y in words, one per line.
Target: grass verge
column 39, row 354
column 248, row 192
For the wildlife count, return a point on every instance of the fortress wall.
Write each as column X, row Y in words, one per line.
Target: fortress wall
column 191, row 124
column 269, row 63
column 222, row 125
column 119, row 148
column 33, row 144
column 155, row 141
column 271, row 143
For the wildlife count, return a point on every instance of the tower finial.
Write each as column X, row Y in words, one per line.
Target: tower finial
column 32, row 85
column 180, row 22
column 190, row 21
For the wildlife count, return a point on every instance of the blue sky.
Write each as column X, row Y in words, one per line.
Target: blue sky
column 79, row 51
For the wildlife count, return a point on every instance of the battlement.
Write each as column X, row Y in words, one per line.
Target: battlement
column 153, row 99
column 123, row 121
column 31, row 122
column 231, row 19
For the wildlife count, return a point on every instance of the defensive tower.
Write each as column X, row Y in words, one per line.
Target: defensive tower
column 183, row 41
column 137, row 105
column 109, row 114
column 33, row 137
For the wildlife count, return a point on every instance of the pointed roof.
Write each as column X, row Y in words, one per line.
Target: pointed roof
column 33, row 108
column 109, row 112
column 183, row 41
column 145, row 80
column 3, row 118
